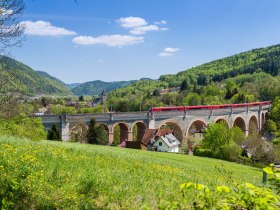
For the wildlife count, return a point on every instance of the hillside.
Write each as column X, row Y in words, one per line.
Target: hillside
column 29, row 82
column 262, row 60
column 245, row 77
column 96, row 87
column 56, row 175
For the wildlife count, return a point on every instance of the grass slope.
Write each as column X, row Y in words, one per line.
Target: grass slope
column 49, row 174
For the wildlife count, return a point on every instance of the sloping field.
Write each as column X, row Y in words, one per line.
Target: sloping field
column 51, row 175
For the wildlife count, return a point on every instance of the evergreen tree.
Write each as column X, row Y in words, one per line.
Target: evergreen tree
column 156, row 92
column 102, row 136
column 96, row 133
column 81, row 98
column 195, row 87
column 184, row 85
column 54, row 133
column 92, row 134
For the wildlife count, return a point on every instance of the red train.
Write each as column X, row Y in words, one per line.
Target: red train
column 182, row 108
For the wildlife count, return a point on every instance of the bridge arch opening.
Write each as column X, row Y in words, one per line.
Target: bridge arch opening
column 138, row 131
column 223, row 121
column 253, row 126
column 174, row 128
column 240, row 122
column 78, row 132
column 195, row 129
column 120, row 131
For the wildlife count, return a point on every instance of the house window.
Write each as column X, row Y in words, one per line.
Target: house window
column 160, row 143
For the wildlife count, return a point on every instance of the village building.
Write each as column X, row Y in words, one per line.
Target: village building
column 101, row 99
column 167, row 143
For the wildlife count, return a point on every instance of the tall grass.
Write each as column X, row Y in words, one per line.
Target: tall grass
column 48, row 175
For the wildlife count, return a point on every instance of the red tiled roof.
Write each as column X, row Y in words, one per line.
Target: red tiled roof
column 153, row 133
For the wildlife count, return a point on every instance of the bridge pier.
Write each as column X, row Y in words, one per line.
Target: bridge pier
column 65, row 128
column 111, row 137
column 130, row 136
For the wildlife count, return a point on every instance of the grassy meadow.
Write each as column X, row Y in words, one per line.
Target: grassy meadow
column 57, row 175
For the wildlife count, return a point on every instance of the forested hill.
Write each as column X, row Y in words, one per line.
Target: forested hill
column 96, row 87
column 30, row 82
column 261, row 60
column 245, row 77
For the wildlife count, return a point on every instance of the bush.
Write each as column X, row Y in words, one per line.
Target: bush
column 241, row 196
column 231, row 152
column 203, row 152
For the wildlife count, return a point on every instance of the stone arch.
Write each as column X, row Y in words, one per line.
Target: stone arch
column 175, row 127
column 253, row 125
column 138, row 130
column 196, row 126
column 222, row 120
column 240, row 122
column 120, row 131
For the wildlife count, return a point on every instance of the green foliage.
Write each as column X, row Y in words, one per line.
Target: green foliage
column 215, row 137
column 96, row 133
column 24, row 127
column 271, row 126
column 224, row 143
column 96, row 87
column 30, row 82
column 246, row 77
column 55, row 175
column 99, row 109
column 156, row 92
column 184, row 85
column 193, row 99
column 245, row 196
column 58, row 109
column 274, row 179
column 203, row 152
column 54, row 133
column 260, row 60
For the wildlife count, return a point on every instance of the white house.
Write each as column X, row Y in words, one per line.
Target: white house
column 167, row 143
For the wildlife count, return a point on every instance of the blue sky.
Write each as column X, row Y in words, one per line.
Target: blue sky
column 113, row 40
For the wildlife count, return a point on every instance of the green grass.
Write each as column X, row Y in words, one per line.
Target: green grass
column 48, row 174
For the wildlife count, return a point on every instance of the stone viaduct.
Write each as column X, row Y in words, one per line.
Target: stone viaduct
column 247, row 118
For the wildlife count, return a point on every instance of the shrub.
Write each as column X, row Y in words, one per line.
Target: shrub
column 241, row 196
column 231, row 152
column 203, row 152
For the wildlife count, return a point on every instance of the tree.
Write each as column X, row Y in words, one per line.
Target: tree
column 122, row 106
column 215, row 137
column 11, row 31
column 156, row 92
column 184, row 85
column 96, row 133
column 81, row 98
column 54, row 133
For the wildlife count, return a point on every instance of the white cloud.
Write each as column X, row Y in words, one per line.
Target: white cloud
column 43, row 28
column 169, row 51
column 163, row 54
column 144, row 29
column 139, row 26
column 132, row 22
column 109, row 40
column 161, row 22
